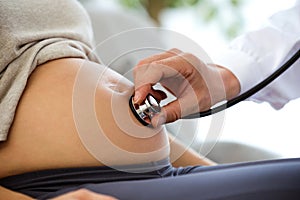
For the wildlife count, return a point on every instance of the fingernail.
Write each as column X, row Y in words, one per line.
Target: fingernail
column 136, row 97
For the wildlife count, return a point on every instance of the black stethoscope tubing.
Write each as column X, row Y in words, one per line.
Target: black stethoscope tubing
column 250, row 92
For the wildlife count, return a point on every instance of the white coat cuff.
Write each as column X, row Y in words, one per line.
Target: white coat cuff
column 242, row 65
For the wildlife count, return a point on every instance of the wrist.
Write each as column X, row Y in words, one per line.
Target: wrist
column 231, row 83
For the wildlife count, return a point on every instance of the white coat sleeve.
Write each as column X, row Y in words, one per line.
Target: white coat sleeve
column 255, row 55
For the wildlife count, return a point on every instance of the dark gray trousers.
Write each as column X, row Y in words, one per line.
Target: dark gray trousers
column 278, row 179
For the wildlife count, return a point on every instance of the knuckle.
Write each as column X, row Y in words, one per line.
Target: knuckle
column 157, row 63
column 188, row 55
column 175, row 50
column 163, row 64
column 194, row 62
column 191, row 58
column 157, row 66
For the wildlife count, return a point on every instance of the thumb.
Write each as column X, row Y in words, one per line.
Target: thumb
column 169, row 113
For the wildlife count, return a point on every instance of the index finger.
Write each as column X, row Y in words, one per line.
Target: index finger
column 148, row 75
column 157, row 57
column 142, row 68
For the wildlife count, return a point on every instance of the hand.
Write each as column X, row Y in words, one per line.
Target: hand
column 83, row 194
column 196, row 85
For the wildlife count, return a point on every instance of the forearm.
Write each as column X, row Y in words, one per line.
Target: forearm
column 231, row 83
column 182, row 156
column 11, row 195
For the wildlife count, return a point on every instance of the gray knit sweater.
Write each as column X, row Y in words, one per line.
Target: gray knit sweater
column 33, row 32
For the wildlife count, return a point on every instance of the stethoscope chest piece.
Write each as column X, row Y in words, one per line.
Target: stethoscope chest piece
column 145, row 111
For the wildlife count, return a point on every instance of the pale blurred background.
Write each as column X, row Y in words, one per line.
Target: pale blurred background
column 213, row 24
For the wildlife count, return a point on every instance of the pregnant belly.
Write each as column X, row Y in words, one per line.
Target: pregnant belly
column 75, row 113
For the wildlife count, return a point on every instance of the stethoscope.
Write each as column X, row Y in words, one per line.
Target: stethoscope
column 150, row 107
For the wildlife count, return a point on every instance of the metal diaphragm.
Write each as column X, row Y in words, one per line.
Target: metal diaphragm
column 145, row 111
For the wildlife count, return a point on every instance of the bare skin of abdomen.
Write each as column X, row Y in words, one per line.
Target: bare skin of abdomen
column 47, row 134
